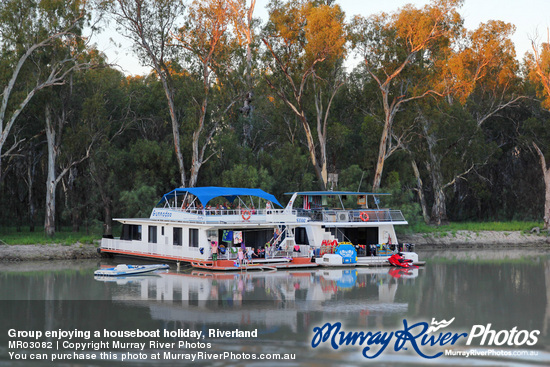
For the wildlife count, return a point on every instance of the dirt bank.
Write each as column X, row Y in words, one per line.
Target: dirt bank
column 440, row 240
column 47, row 252
column 469, row 239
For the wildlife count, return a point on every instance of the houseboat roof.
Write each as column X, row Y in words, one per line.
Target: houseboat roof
column 205, row 194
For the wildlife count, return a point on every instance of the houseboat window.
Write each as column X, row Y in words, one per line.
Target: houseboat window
column 152, row 234
column 193, row 237
column 162, row 230
column 177, row 237
column 131, row 232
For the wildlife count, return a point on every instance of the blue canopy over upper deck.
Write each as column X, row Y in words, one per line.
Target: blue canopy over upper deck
column 205, row 194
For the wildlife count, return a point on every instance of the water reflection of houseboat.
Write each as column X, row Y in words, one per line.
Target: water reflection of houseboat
column 269, row 299
column 194, row 224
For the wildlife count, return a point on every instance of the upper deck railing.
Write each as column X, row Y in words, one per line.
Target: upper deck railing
column 214, row 215
column 358, row 215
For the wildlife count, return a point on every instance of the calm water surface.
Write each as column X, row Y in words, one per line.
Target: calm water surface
column 507, row 289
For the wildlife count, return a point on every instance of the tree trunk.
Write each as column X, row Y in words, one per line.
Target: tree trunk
column 51, row 183
column 108, row 221
column 420, row 190
column 389, row 113
column 30, row 184
column 194, row 174
column 76, row 220
column 439, row 208
column 381, row 159
column 547, row 199
column 546, row 176
column 175, row 124
column 320, row 167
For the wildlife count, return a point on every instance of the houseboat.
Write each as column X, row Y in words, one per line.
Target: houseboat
column 221, row 228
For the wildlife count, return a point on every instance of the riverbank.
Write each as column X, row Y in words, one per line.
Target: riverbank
column 435, row 240
column 48, row 252
column 477, row 239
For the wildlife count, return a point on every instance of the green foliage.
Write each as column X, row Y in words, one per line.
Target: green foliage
column 353, row 178
column 242, row 175
column 401, row 198
column 139, row 202
column 290, row 169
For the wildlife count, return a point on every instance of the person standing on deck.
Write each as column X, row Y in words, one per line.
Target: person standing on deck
column 214, row 251
column 267, row 250
column 241, row 257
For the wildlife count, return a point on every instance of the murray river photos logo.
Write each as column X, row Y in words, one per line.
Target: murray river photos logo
column 420, row 337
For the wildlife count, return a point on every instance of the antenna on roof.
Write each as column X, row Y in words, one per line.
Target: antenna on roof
column 360, row 181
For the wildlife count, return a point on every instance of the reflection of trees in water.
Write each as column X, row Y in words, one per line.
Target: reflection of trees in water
column 505, row 294
column 546, row 322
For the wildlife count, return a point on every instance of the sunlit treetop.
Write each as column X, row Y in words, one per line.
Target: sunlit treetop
column 313, row 31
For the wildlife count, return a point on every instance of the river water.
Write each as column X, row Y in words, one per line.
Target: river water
column 508, row 289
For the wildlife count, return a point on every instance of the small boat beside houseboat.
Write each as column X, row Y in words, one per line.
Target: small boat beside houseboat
column 122, row 270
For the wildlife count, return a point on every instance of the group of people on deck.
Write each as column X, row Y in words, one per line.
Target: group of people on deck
column 244, row 254
column 219, row 208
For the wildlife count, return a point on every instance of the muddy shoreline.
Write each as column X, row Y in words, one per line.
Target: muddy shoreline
column 423, row 241
column 48, row 252
column 481, row 239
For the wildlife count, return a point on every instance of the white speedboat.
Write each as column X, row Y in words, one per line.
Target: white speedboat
column 125, row 270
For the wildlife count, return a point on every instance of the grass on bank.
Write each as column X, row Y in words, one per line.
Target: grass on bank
column 451, row 228
column 10, row 236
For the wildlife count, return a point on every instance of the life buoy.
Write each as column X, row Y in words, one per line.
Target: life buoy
column 246, row 215
column 364, row 216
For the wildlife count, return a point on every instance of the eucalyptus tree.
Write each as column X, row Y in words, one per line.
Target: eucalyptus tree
column 538, row 67
column 30, row 31
column 76, row 117
column 208, row 48
column 392, row 44
column 150, row 25
column 243, row 22
column 305, row 43
column 104, row 105
column 452, row 145
column 193, row 43
column 479, row 76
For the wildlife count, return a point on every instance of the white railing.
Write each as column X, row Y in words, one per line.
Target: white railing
column 358, row 215
column 223, row 215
